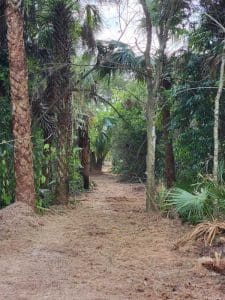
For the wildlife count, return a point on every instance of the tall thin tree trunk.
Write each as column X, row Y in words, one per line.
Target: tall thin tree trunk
column 217, row 105
column 216, row 119
column 150, row 111
column 23, row 161
column 150, row 161
column 153, row 87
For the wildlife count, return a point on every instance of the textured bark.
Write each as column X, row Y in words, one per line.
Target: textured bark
column 169, row 156
column 62, row 20
column 63, row 153
column 85, row 152
column 23, row 162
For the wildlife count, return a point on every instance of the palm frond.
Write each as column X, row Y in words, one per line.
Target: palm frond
column 190, row 206
column 43, row 114
column 115, row 56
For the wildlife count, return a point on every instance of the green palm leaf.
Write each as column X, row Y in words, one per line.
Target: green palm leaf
column 189, row 206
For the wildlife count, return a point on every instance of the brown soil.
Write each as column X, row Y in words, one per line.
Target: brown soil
column 16, row 219
column 105, row 247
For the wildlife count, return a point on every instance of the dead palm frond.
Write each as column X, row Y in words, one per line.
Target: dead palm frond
column 206, row 230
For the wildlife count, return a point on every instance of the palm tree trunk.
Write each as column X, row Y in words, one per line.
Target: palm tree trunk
column 62, row 19
column 23, row 161
column 64, row 144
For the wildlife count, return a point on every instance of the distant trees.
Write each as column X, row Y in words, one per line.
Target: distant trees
column 100, row 139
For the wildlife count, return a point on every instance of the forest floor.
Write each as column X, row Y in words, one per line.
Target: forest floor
column 104, row 247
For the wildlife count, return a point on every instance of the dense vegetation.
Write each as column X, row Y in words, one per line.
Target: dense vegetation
column 96, row 100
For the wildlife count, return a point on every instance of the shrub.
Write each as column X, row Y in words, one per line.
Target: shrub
column 191, row 207
column 206, row 202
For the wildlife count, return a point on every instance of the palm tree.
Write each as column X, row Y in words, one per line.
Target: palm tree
column 58, row 33
column 62, row 19
column 23, row 162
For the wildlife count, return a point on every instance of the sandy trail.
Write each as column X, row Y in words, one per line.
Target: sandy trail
column 104, row 248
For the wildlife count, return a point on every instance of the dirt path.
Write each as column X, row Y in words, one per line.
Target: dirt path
column 104, row 248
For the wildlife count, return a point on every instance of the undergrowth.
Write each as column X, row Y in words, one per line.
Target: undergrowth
column 205, row 202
